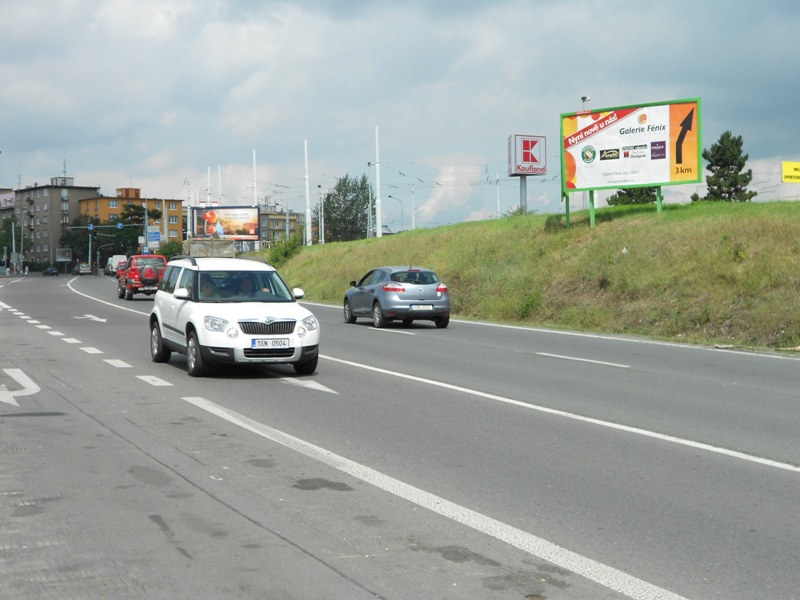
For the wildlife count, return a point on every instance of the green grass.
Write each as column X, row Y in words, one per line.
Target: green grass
column 710, row 273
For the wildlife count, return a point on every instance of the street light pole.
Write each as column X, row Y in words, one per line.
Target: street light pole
column 584, row 100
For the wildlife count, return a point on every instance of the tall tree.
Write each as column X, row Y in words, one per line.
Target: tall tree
column 727, row 181
column 346, row 209
column 637, row 195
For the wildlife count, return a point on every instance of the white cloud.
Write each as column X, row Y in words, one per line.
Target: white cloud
column 156, row 92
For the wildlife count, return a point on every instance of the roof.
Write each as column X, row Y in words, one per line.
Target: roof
column 222, row 263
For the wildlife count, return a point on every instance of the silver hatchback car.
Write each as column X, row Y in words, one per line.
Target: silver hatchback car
column 405, row 294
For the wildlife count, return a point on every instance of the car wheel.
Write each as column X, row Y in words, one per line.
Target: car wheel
column 442, row 322
column 378, row 318
column 306, row 368
column 194, row 359
column 120, row 292
column 158, row 352
column 128, row 293
column 349, row 317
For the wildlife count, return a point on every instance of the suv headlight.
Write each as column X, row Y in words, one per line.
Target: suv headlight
column 310, row 323
column 220, row 325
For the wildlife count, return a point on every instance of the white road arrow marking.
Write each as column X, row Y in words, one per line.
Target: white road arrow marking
column 92, row 318
column 311, row 385
column 28, row 387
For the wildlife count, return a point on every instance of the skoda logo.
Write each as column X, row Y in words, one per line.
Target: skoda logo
column 269, row 320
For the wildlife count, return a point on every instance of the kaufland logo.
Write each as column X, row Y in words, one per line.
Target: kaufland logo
column 530, row 151
column 527, row 155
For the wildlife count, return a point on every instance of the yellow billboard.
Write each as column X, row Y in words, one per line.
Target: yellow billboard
column 790, row 172
column 631, row 146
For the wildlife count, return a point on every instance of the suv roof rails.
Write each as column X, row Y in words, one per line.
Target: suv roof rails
column 184, row 257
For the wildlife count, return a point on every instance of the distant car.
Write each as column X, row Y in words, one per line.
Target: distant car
column 231, row 311
column 120, row 268
column 50, row 272
column 141, row 275
column 83, row 269
column 406, row 294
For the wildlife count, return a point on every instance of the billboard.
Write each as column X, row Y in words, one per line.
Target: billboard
column 526, row 155
column 632, row 146
column 226, row 223
column 63, row 254
column 790, row 172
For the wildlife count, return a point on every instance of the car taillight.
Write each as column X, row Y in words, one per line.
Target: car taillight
column 441, row 288
column 393, row 287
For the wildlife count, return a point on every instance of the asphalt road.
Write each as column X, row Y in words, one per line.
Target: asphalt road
column 480, row 461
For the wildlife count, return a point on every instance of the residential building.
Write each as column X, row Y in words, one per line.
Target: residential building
column 42, row 211
column 105, row 209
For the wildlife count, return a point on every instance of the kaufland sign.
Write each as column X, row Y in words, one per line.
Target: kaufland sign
column 526, row 155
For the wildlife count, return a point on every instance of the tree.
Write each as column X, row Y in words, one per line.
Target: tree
column 727, row 182
column 346, row 209
column 638, row 195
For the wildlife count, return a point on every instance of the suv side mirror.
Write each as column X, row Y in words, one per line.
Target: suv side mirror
column 182, row 294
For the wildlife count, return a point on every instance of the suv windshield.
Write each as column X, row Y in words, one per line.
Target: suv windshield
column 242, row 286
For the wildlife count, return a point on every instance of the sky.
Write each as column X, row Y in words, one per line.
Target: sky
column 181, row 98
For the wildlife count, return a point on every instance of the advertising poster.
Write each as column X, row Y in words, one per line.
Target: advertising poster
column 631, row 146
column 790, row 172
column 226, row 223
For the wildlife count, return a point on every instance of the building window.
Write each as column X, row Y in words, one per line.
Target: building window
column 113, row 204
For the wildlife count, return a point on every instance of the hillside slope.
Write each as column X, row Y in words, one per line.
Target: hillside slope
column 712, row 273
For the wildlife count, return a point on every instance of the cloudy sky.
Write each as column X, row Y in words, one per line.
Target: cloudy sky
column 155, row 94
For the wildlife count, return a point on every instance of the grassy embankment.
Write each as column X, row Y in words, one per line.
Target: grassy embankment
column 708, row 273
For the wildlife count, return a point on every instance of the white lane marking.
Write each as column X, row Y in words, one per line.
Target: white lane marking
column 560, row 413
column 28, row 387
column 70, row 340
column 153, row 380
column 55, row 333
column 91, row 350
column 43, row 326
column 382, row 330
column 592, row 570
column 311, row 385
column 32, row 322
column 596, row 362
column 115, row 362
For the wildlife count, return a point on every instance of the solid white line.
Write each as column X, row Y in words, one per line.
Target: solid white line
column 596, row 362
column 590, row 569
column 381, row 330
column 560, row 413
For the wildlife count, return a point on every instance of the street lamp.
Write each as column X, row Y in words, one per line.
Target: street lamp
column 401, row 210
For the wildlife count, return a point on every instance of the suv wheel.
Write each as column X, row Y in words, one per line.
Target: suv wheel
column 306, row 368
column 120, row 292
column 158, row 352
column 194, row 358
column 128, row 293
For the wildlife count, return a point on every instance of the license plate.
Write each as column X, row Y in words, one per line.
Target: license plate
column 271, row 343
column 421, row 307
column 148, row 288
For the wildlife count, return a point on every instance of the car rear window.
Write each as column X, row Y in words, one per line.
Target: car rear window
column 411, row 276
column 150, row 262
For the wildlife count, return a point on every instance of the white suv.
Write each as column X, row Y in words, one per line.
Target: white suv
column 230, row 310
